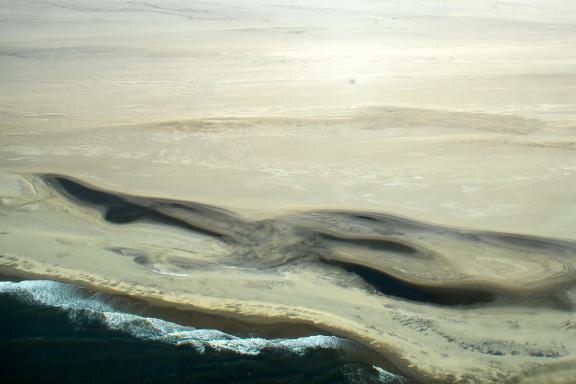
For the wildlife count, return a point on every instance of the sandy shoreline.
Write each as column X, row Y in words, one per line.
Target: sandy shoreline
column 193, row 314
column 184, row 315
column 207, row 259
column 400, row 173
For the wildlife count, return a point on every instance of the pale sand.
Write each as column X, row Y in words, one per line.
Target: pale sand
column 293, row 116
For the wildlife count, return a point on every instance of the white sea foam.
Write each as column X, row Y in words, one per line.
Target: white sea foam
column 360, row 375
column 78, row 302
column 386, row 377
column 53, row 294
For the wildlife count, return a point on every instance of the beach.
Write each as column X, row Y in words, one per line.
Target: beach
column 398, row 175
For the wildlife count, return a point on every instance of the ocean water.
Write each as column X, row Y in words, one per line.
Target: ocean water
column 55, row 332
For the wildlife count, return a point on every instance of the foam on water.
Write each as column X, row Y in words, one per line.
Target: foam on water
column 80, row 304
column 53, row 294
column 386, row 377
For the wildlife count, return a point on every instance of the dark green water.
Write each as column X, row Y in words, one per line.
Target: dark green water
column 54, row 332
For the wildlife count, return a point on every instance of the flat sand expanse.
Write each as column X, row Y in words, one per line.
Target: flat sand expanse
column 399, row 173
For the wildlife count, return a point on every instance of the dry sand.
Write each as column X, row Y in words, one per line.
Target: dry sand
column 400, row 173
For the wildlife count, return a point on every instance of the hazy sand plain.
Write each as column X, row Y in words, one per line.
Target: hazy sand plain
column 290, row 132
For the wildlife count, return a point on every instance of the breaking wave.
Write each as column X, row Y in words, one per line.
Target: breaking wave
column 81, row 305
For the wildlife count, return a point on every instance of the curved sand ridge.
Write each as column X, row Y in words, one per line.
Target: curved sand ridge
column 443, row 304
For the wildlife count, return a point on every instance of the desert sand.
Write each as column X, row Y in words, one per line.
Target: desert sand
column 398, row 173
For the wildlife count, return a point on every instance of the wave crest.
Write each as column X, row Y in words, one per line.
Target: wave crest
column 80, row 303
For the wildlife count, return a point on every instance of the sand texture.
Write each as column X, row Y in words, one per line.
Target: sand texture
column 399, row 173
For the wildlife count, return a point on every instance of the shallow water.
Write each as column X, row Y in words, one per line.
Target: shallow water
column 56, row 331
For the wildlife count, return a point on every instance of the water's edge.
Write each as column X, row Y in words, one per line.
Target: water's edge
column 338, row 360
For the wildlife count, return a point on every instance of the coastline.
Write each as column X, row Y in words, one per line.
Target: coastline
column 238, row 324
column 398, row 173
column 347, row 273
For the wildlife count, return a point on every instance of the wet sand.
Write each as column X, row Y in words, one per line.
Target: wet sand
column 437, row 302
